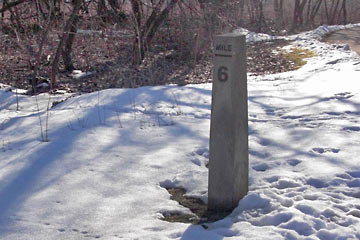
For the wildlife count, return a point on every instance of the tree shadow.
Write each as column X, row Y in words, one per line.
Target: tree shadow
column 38, row 172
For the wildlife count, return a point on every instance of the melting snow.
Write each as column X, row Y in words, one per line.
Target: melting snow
column 111, row 153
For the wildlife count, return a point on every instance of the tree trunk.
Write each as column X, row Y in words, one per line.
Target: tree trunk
column 7, row 6
column 314, row 11
column 139, row 53
column 66, row 52
column 241, row 11
column 70, row 22
column 331, row 12
column 344, row 12
column 251, row 11
column 298, row 19
column 261, row 16
column 2, row 13
column 279, row 13
column 256, row 14
column 146, row 32
column 101, row 10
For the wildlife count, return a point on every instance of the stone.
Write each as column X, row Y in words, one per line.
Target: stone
column 229, row 158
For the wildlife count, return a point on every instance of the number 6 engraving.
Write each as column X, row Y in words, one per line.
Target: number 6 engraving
column 222, row 74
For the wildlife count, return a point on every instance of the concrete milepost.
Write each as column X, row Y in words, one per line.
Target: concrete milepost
column 229, row 157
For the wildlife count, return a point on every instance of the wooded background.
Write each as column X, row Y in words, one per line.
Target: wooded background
column 49, row 33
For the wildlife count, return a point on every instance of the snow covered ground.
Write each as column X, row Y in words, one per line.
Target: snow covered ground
column 110, row 155
column 318, row 33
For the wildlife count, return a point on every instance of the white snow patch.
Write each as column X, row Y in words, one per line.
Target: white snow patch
column 112, row 153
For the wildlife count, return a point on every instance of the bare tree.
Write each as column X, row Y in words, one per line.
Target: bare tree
column 279, row 13
column 145, row 29
column 331, row 11
column 8, row 5
column 241, row 10
column 312, row 12
column 256, row 14
column 343, row 12
column 67, row 50
column 298, row 19
column 66, row 38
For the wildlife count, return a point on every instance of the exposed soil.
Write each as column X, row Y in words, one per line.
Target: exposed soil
column 109, row 57
column 197, row 207
column 346, row 36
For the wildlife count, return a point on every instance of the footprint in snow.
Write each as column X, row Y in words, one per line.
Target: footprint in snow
column 302, row 228
column 293, row 162
column 262, row 167
column 196, row 161
column 353, row 112
column 352, row 193
column 352, row 129
column 270, row 112
column 342, row 96
column 317, row 183
column 354, row 174
column 265, row 142
column 175, row 235
column 202, row 152
column 259, row 154
column 326, row 150
column 341, row 207
column 344, row 176
column 354, row 213
column 286, row 183
column 227, row 232
column 354, row 183
column 333, row 113
column 200, row 156
column 307, row 209
column 310, row 124
column 272, row 179
column 291, row 117
column 273, row 219
column 351, row 179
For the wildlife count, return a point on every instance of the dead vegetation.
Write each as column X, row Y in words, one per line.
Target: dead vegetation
column 111, row 67
column 132, row 43
column 297, row 56
column 199, row 215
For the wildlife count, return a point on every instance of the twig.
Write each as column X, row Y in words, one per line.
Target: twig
column 40, row 122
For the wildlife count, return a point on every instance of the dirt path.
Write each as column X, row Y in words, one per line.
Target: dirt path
column 350, row 36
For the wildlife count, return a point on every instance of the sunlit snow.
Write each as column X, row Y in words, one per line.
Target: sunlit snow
column 110, row 154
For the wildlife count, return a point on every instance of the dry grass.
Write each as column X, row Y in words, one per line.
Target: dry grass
column 297, row 56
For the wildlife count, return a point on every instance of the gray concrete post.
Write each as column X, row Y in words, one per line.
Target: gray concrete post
column 229, row 158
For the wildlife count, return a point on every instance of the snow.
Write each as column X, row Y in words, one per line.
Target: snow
column 78, row 74
column 111, row 154
column 318, row 33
